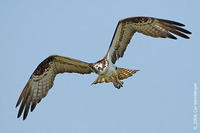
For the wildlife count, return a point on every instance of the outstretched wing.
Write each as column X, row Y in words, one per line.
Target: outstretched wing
column 41, row 81
column 146, row 25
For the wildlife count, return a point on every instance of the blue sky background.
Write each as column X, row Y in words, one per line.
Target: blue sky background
column 157, row 99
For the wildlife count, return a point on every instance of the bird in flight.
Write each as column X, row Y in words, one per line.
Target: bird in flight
column 41, row 81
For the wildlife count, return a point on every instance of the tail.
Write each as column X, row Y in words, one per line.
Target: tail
column 125, row 73
column 122, row 74
column 101, row 79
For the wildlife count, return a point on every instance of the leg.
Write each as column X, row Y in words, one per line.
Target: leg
column 116, row 82
column 118, row 85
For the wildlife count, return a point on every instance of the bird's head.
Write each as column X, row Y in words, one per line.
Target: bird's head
column 98, row 67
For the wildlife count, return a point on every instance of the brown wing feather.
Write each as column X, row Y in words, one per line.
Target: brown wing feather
column 41, row 81
column 149, row 26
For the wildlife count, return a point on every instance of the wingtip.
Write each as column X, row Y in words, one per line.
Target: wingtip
column 18, row 115
column 189, row 32
column 18, row 102
column 33, row 106
column 172, row 36
column 24, row 117
column 172, row 22
column 180, row 24
column 187, row 37
column 16, row 105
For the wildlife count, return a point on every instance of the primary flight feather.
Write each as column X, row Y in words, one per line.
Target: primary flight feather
column 41, row 81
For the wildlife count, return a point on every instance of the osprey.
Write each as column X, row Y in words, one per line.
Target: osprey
column 41, row 81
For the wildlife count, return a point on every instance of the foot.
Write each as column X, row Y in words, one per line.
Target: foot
column 118, row 84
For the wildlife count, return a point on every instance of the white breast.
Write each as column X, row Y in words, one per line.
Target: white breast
column 111, row 66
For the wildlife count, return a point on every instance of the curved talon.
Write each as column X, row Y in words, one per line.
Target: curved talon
column 118, row 84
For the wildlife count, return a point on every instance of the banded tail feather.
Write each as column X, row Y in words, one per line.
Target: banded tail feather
column 122, row 73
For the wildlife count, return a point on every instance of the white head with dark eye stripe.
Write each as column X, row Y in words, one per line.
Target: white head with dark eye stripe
column 100, row 67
